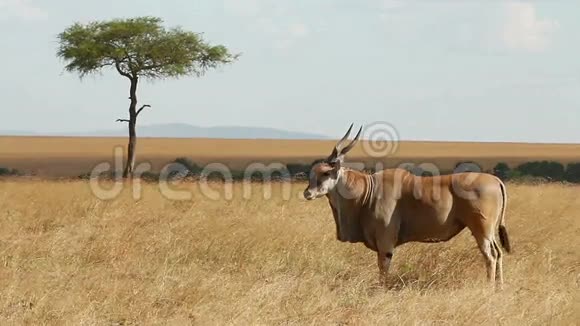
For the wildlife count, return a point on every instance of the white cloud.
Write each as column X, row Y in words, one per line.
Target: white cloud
column 21, row 9
column 524, row 30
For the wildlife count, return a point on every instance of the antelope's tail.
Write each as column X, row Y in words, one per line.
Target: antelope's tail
column 503, row 234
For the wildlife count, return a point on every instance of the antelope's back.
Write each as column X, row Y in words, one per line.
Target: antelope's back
column 466, row 189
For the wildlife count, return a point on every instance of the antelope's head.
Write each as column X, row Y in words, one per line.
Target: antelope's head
column 325, row 173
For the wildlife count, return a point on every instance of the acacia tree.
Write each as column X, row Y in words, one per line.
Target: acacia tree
column 137, row 48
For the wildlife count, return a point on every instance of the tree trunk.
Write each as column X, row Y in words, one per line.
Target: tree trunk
column 131, row 147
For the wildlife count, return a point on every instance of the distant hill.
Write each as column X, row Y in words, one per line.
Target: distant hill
column 182, row 130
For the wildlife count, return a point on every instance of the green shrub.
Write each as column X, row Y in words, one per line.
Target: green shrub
column 191, row 167
column 8, row 172
column 514, row 174
column 502, row 171
column 548, row 169
column 572, row 172
column 296, row 168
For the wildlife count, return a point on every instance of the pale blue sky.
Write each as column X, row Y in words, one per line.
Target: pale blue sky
column 436, row 70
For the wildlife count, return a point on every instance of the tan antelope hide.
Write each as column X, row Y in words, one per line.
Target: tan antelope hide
column 391, row 207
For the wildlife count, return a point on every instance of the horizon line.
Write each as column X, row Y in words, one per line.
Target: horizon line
column 329, row 139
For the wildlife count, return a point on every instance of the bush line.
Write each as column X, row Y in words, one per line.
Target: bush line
column 185, row 168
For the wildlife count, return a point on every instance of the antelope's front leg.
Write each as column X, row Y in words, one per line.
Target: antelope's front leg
column 384, row 262
column 386, row 239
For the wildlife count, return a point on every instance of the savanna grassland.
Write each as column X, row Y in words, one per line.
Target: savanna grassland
column 73, row 156
column 67, row 257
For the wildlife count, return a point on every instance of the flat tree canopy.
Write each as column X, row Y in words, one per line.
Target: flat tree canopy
column 138, row 48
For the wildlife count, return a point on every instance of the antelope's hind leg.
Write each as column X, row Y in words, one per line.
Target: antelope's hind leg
column 488, row 252
column 498, row 263
column 482, row 231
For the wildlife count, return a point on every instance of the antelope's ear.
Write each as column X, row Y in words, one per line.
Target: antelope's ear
column 336, row 164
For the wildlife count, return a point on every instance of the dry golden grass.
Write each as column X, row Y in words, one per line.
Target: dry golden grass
column 72, row 156
column 67, row 257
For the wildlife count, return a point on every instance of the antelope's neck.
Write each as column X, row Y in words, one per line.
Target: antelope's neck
column 357, row 186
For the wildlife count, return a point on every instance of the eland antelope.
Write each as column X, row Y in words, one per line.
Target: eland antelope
column 391, row 207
